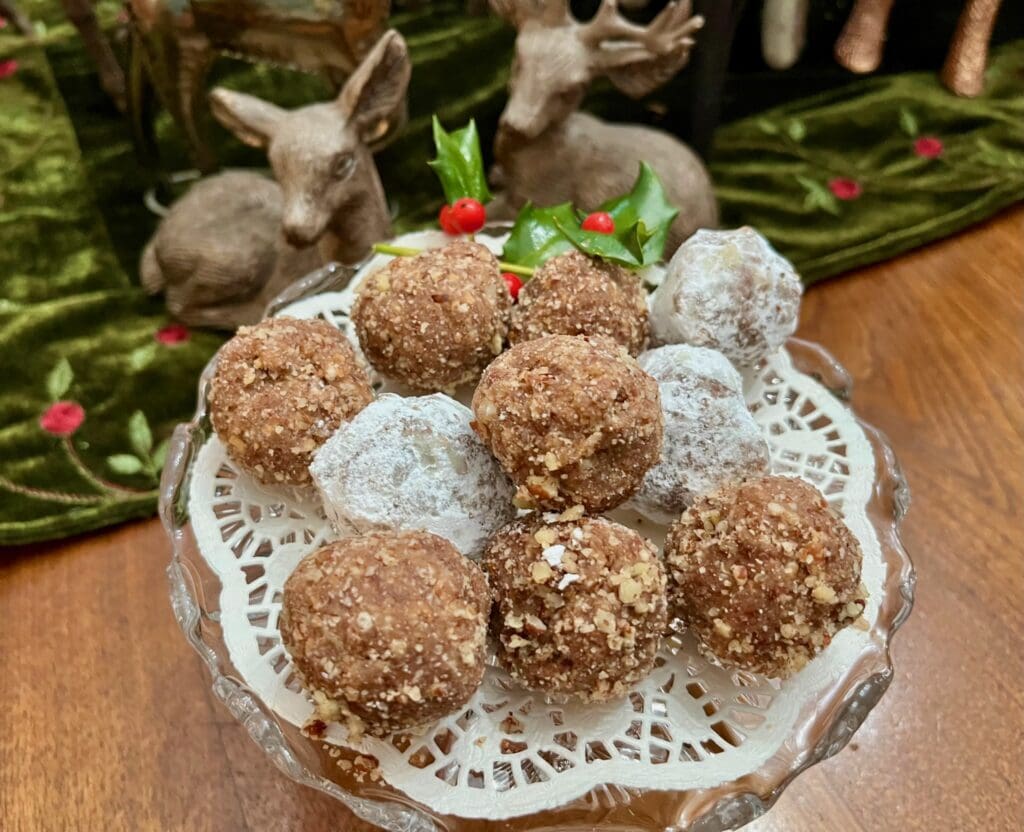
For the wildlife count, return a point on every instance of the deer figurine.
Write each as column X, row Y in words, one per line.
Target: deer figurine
column 179, row 39
column 219, row 255
column 548, row 152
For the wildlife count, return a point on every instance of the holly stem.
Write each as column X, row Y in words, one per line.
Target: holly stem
column 409, row 251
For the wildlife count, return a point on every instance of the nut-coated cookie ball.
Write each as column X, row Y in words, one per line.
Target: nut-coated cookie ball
column 281, row 388
column 434, row 321
column 572, row 420
column 580, row 605
column 765, row 574
column 387, row 631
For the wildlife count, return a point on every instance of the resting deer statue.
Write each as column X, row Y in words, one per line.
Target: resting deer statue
column 547, row 152
column 179, row 39
column 219, row 255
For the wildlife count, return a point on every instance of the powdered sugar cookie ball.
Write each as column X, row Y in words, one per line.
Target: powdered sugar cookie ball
column 281, row 388
column 434, row 321
column 581, row 605
column 414, row 463
column 710, row 437
column 573, row 294
column 765, row 574
column 572, row 420
column 728, row 290
column 386, row 631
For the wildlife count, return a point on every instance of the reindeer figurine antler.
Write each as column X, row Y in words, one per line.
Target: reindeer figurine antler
column 548, row 153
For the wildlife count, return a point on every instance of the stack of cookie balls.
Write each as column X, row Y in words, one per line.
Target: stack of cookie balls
column 456, row 522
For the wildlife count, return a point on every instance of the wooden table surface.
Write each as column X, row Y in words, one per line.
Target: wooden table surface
column 107, row 722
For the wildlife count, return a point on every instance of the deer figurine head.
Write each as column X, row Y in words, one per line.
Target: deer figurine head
column 557, row 57
column 322, row 154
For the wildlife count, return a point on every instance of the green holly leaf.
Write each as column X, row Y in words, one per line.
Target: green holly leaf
column 59, row 379
column 908, row 122
column 459, row 163
column 767, row 127
column 606, row 246
column 139, row 434
column 537, row 235
column 124, row 464
column 645, row 205
column 796, row 130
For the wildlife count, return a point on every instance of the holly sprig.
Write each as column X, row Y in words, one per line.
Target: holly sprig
column 630, row 230
column 642, row 218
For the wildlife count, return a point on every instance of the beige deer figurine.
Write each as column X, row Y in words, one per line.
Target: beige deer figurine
column 548, row 152
column 219, row 255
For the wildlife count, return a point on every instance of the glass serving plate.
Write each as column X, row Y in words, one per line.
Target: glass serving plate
column 819, row 728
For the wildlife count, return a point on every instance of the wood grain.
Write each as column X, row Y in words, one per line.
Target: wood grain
column 107, row 722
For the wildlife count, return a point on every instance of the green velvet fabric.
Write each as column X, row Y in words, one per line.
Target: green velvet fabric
column 842, row 179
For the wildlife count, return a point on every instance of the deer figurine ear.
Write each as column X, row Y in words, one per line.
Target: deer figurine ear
column 250, row 118
column 373, row 98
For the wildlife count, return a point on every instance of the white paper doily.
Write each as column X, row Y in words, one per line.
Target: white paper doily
column 690, row 725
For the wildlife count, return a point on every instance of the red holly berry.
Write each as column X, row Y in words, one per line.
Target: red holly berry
column 600, row 221
column 514, row 284
column 464, row 216
column 446, row 222
column 468, row 215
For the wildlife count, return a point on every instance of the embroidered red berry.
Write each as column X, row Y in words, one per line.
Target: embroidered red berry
column 62, row 418
column 844, row 188
column 468, row 215
column 514, row 284
column 444, row 219
column 600, row 221
column 928, row 147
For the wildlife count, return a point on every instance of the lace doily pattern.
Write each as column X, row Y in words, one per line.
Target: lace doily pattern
column 510, row 752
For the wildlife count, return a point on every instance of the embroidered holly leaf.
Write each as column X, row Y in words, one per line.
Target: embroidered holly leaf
column 124, row 464
column 989, row 154
column 142, row 356
column 646, row 213
column 796, row 130
column 767, row 127
column 59, row 379
column 908, row 122
column 139, row 434
column 160, row 455
column 536, row 235
column 818, row 196
column 459, row 163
